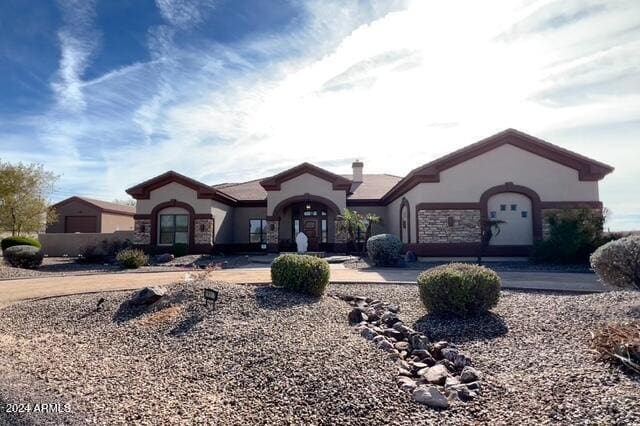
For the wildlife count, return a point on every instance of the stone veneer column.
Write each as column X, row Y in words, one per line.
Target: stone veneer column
column 434, row 226
column 203, row 234
column 142, row 232
column 273, row 233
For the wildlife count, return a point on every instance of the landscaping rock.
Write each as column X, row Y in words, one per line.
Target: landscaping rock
column 436, row 375
column 357, row 315
column 368, row 333
column 392, row 307
column 406, row 384
column 431, row 396
column 402, row 346
column 469, row 374
column 148, row 296
column 419, row 341
column 390, row 332
column 163, row 258
column 410, row 257
column 389, row 318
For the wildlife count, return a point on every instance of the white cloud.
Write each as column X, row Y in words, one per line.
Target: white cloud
column 361, row 83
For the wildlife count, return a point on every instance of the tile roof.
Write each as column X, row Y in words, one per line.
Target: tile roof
column 106, row 206
column 374, row 186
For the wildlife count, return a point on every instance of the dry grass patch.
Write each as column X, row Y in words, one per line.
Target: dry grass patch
column 619, row 343
column 165, row 316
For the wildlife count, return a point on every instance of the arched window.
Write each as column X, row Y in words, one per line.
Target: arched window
column 405, row 222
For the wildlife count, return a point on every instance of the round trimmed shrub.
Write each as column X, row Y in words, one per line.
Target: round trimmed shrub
column 459, row 289
column 617, row 263
column 132, row 258
column 26, row 256
column 19, row 241
column 300, row 273
column 384, row 249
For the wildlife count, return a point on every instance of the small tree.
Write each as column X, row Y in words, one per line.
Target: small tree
column 125, row 201
column 370, row 220
column 350, row 222
column 24, row 191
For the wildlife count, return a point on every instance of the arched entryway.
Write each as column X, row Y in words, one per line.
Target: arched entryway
column 314, row 216
column 518, row 207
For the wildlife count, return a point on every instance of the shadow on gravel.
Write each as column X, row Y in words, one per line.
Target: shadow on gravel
column 128, row 311
column 184, row 326
column 460, row 330
column 277, row 298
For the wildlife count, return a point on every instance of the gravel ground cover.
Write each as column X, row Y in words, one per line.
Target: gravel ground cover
column 265, row 356
column 501, row 266
column 60, row 266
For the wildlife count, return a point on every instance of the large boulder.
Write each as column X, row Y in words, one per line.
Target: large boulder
column 148, row 296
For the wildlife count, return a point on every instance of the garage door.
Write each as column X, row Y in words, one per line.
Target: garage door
column 81, row 224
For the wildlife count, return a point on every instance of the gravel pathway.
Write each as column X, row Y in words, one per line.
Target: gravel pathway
column 265, row 356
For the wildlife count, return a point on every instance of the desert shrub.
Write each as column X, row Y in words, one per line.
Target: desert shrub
column 19, row 241
column 300, row 273
column 573, row 236
column 180, row 249
column 384, row 249
column 617, row 263
column 459, row 289
column 619, row 344
column 26, row 256
column 132, row 258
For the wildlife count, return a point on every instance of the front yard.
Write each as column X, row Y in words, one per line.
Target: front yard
column 267, row 356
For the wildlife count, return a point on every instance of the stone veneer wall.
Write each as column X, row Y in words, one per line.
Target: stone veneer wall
column 142, row 231
column 273, row 236
column 204, row 231
column 433, row 226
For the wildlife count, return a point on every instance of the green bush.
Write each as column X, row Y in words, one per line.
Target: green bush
column 300, row 273
column 617, row 263
column 19, row 241
column 26, row 256
column 459, row 289
column 132, row 258
column 573, row 236
column 180, row 249
column 384, row 249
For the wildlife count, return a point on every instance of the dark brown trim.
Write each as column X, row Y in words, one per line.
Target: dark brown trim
column 173, row 203
column 251, row 203
column 448, row 206
column 405, row 203
column 466, row 249
column 364, row 203
column 143, row 190
column 571, row 205
column 274, row 182
column 203, row 216
column 536, row 210
column 273, row 218
column 588, row 169
column 279, row 208
column 141, row 216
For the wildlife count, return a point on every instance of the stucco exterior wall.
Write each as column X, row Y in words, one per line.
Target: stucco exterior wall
column 467, row 181
column 241, row 217
column 75, row 208
column 116, row 222
column 304, row 184
column 175, row 191
column 223, row 222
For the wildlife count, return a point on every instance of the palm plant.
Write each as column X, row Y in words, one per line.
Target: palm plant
column 350, row 222
column 487, row 227
column 370, row 220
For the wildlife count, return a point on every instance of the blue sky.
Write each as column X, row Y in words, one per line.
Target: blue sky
column 109, row 93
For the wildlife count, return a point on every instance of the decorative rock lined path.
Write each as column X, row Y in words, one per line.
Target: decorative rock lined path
column 434, row 373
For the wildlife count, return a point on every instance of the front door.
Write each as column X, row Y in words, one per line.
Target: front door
column 310, row 229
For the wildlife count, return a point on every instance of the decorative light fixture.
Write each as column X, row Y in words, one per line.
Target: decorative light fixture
column 308, row 206
column 210, row 295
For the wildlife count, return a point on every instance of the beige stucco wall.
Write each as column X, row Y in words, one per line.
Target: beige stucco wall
column 116, row 222
column 241, row 217
column 73, row 244
column 175, row 191
column 304, row 184
column 467, row 181
column 223, row 223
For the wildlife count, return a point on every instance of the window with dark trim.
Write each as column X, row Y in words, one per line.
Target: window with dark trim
column 523, row 213
column 258, row 231
column 174, row 229
column 503, row 207
column 514, row 207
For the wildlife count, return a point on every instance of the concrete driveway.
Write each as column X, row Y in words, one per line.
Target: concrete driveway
column 12, row 291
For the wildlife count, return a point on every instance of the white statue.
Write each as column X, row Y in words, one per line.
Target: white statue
column 302, row 242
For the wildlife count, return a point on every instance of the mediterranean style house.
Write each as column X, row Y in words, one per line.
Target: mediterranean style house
column 436, row 210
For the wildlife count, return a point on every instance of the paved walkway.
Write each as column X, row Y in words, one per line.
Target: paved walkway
column 12, row 291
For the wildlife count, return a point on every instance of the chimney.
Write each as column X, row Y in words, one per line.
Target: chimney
column 357, row 170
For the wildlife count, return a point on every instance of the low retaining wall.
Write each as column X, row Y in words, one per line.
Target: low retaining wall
column 73, row 244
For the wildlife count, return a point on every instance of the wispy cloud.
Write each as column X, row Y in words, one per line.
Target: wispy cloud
column 78, row 40
column 185, row 13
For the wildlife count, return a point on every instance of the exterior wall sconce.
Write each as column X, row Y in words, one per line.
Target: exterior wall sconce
column 450, row 221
